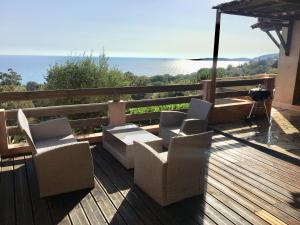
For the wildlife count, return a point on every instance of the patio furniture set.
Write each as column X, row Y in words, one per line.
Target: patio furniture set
column 169, row 167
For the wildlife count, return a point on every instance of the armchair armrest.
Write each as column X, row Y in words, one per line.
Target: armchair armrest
column 150, row 169
column 146, row 153
column 194, row 126
column 156, row 145
column 171, row 118
column 51, row 128
column 64, row 168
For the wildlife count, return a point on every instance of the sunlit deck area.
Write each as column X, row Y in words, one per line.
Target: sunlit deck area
column 244, row 186
column 281, row 135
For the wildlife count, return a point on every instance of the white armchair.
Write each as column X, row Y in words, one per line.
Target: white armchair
column 172, row 176
column 62, row 164
column 193, row 122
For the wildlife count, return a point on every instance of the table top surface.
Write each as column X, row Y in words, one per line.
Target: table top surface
column 127, row 133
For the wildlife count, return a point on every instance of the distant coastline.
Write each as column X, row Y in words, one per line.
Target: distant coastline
column 224, row 59
column 262, row 57
column 34, row 68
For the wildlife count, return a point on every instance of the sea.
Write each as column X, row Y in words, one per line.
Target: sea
column 34, row 68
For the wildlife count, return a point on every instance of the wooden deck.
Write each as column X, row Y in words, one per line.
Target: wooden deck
column 244, row 186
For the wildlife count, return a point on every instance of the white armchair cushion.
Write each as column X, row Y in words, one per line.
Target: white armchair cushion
column 53, row 143
column 51, row 128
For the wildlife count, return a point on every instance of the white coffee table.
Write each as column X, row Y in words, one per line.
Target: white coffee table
column 118, row 140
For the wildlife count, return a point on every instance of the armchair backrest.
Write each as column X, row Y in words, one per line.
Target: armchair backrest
column 198, row 109
column 23, row 123
column 187, row 164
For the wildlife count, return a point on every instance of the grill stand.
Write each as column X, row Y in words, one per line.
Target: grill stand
column 255, row 106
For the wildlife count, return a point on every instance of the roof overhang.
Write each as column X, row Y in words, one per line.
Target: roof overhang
column 273, row 9
column 273, row 15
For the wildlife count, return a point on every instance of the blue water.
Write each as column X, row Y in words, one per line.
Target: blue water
column 34, row 68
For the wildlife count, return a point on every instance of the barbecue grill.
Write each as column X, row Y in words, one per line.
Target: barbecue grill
column 259, row 95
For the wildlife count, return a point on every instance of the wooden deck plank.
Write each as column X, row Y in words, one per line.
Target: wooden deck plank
column 237, row 152
column 254, row 178
column 219, row 168
column 40, row 208
column 92, row 211
column 126, row 192
column 247, row 199
column 262, row 191
column 268, row 160
column 122, row 206
column 235, row 206
column 253, row 173
column 215, row 215
column 59, row 213
column 271, row 174
column 164, row 215
column 239, row 191
column 77, row 216
column 180, row 212
column 275, row 161
column 131, row 196
column 237, row 171
column 270, row 218
column 197, row 209
column 110, row 213
column 223, row 209
column 7, row 209
column 22, row 195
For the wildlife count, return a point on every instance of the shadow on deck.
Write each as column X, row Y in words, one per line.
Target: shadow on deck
column 244, row 186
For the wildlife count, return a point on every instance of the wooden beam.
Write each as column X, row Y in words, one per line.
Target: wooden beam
column 62, row 110
column 241, row 82
column 3, row 133
column 273, row 39
column 215, row 56
column 71, row 93
column 160, row 101
column 289, row 37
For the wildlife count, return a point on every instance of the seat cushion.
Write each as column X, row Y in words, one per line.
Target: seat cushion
column 52, row 143
column 166, row 133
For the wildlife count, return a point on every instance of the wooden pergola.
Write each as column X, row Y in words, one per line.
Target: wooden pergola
column 273, row 15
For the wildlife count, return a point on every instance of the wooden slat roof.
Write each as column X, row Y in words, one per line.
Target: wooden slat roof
column 276, row 9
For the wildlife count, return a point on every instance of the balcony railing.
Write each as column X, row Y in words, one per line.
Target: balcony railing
column 234, row 111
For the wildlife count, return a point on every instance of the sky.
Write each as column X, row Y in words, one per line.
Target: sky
column 125, row 28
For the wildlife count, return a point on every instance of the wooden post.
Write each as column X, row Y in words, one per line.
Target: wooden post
column 3, row 134
column 206, row 91
column 269, row 84
column 215, row 57
column 116, row 112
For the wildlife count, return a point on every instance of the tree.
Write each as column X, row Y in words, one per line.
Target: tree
column 32, row 86
column 85, row 72
column 10, row 78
